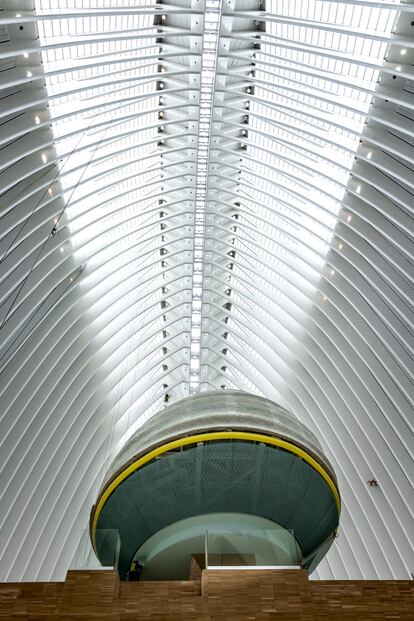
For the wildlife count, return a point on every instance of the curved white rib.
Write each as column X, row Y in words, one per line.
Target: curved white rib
column 199, row 195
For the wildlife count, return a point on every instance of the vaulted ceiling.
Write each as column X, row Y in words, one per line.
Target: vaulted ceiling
column 201, row 195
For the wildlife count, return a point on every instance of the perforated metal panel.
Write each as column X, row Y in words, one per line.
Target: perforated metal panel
column 221, row 477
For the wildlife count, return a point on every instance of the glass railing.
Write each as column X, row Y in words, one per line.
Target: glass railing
column 255, row 549
column 108, row 545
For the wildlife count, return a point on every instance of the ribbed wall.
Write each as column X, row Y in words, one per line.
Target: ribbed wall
column 147, row 252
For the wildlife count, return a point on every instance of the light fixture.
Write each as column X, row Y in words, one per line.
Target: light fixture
column 164, row 17
column 324, row 298
column 369, row 155
column 29, row 74
column 61, row 249
column 44, row 158
column 403, row 52
column 349, row 218
column 340, row 246
column 358, row 189
column 26, row 55
column 37, row 120
column 398, row 68
column 332, row 272
column 50, row 191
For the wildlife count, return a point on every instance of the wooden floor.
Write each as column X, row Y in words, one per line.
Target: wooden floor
column 221, row 595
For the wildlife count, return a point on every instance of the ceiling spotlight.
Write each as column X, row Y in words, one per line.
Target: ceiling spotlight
column 349, row 218
column 37, row 120
column 403, row 52
column 164, row 17
column 44, row 158
column 340, row 246
column 29, row 74
column 332, row 272
column 61, row 249
column 25, row 55
column 369, row 155
column 358, row 189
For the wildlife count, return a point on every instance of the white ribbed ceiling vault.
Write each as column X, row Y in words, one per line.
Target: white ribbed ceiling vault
column 197, row 195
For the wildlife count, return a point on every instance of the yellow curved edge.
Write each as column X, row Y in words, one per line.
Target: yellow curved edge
column 206, row 437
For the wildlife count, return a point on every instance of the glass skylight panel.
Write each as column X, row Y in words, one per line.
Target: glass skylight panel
column 100, row 74
column 315, row 94
column 314, row 77
column 129, row 154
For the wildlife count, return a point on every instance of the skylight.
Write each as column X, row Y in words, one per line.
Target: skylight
column 239, row 167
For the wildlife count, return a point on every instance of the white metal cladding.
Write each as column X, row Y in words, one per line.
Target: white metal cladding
column 198, row 195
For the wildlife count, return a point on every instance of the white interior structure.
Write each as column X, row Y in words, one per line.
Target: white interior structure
column 197, row 195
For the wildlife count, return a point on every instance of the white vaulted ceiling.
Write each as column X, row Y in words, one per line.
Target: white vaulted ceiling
column 201, row 195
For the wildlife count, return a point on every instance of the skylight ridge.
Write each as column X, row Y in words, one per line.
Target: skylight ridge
column 212, row 17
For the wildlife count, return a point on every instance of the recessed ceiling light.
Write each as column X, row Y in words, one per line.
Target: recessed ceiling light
column 403, row 52
column 26, row 55
column 369, row 155
column 358, row 189
column 349, row 218
column 29, row 74
column 37, row 120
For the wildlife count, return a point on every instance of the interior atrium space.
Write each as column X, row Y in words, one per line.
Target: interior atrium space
column 206, row 291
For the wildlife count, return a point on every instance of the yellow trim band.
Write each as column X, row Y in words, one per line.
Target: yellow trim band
column 206, row 437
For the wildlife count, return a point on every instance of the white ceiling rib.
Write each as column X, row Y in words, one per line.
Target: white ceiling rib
column 205, row 194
